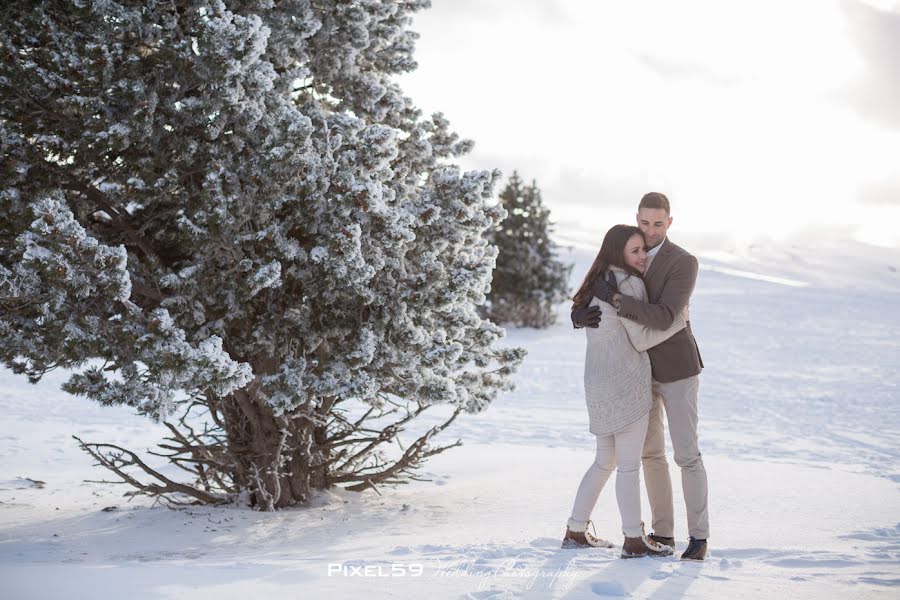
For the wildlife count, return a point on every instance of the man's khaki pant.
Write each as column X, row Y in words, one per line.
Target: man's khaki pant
column 679, row 398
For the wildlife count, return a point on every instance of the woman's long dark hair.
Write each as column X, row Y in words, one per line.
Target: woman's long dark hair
column 612, row 253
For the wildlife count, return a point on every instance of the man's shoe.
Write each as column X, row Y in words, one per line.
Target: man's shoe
column 584, row 539
column 635, row 547
column 696, row 550
column 665, row 541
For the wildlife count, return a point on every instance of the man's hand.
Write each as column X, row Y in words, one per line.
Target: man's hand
column 605, row 289
column 586, row 316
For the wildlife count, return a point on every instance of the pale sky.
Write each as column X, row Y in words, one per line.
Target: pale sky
column 760, row 118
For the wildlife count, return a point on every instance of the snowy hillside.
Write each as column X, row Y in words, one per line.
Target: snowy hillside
column 800, row 431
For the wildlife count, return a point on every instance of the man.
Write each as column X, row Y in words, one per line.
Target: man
column 670, row 276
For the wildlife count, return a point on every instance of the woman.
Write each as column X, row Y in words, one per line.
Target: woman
column 618, row 394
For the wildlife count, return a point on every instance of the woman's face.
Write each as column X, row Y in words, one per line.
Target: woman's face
column 635, row 253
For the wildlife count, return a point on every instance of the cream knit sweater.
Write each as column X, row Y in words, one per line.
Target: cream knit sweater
column 616, row 367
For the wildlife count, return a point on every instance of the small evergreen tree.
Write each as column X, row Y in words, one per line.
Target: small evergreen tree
column 227, row 215
column 528, row 279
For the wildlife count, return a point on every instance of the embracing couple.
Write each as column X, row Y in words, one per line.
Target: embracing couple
column 641, row 361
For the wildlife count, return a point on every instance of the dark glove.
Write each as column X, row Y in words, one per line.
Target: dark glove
column 586, row 316
column 604, row 289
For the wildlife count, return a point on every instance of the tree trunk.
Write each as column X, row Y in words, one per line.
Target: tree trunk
column 278, row 460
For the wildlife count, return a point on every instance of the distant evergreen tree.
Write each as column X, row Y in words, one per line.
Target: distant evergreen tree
column 528, row 278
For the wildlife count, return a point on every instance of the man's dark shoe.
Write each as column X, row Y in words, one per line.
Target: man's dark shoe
column 696, row 550
column 665, row 541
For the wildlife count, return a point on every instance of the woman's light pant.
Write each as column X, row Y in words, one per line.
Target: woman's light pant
column 620, row 451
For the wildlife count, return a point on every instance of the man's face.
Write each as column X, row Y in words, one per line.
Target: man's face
column 654, row 223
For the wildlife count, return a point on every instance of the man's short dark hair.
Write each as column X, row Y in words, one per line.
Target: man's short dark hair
column 655, row 200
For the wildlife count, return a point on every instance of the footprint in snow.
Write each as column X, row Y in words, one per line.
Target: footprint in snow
column 608, row 588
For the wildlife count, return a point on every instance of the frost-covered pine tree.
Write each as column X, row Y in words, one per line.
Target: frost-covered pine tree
column 227, row 215
column 528, row 279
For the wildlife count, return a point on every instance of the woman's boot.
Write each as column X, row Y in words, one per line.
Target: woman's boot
column 635, row 547
column 584, row 539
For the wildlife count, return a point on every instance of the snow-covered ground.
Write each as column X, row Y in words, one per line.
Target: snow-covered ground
column 800, row 431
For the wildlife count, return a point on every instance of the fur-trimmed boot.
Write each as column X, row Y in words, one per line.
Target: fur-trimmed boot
column 635, row 547
column 584, row 539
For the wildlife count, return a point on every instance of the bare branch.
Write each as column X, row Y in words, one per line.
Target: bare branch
column 117, row 459
column 411, row 459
